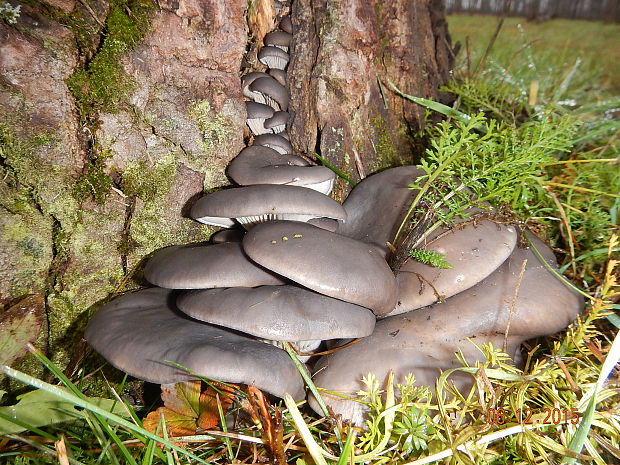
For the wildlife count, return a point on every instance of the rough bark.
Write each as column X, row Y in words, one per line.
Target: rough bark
column 342, row 51
column 94, row 176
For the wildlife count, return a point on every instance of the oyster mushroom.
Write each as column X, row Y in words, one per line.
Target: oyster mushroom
column 274, row 141
column 254, row 204
column 280, row 39
column 424, row 341
column 325, row 262
column 273, row 57
column 203, row 267
column 279, row 313
column 140, row 333
column 277, row 123
column 257, row 114
column 261, row 165
column 270, row 92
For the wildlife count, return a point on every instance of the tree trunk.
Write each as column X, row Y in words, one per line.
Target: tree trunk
column 117, row 114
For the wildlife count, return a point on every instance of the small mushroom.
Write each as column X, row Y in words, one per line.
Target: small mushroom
column 277, row 123
column 325, row 262
column 140, row 333
column 278, row 75
column 204, row 267
column 257, row 114
column 275, row 141
column 273, row 57
column 424, row 341
column 265, row 202
column 280, row 39
column 261, row 165
column 270, row 92
column 248, row 79
column 286, row 25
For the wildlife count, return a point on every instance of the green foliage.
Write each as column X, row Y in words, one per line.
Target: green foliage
column 9, row 13
column 103, row 85
column 430, row 257
column 94, row 183
column 150, row 182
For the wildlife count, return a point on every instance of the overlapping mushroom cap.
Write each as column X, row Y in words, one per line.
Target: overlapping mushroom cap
column 252, row 204
column 140, row 332
column 377, row 205
column 325, row 262
column 424, row 341
column 204, row 267
column 280, row 313
column 474, row 251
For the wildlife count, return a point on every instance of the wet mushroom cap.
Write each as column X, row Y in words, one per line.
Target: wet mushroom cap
column 424, row 341
column 474, row 251
column 272, row 91
column 265, row 202
column 273, row 57
column 261, row 165
column 139, row 332
column 286, row 25
column 377, row 205
column 258, row 110
column 325, row 262
column 277, row 123
column 248, row 79
column 274, row 141
column 280, row 313
column 279, row 75
column 280, row 39
column 205, row 267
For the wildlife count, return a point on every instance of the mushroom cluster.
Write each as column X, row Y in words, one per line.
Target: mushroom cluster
column 309, row 270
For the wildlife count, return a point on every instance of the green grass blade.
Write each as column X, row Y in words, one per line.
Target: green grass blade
column 579, row 439
column 335, row 170
column 432, row 105
column 80, row 402
column 346, row 455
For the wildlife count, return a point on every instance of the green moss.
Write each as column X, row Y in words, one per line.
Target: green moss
column 103, row 85
column 387, row 153
column 95, row 182
column 214, row 127
column 149, row 182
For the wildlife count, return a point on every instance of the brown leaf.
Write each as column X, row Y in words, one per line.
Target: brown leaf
column 182, row 398
column 209, row 414
column 176, row 423
column 20, row 325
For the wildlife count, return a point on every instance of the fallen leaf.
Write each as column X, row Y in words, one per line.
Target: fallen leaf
column 182, row 398
column 209, row 413
column 20, row 325
column 176, row 423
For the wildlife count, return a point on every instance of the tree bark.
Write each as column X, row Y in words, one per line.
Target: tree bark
column 94, row 176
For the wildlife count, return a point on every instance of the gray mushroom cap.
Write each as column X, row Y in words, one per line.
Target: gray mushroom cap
column 286, row 25
column 280, row 39
column 137, row 333
column 474, row 251
column 264, row 202
column 273, row 57
column 280, row 313
column 257, row 114
column 274, row 141
column 279, row 75
column 377, row 205
column 261, row 165
column 325, row 262
column 424, row 341
column 277, row 123
column 248, row 79
column 270, row 92
column 203, row 267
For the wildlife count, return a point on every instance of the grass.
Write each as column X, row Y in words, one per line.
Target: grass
column 572, row 199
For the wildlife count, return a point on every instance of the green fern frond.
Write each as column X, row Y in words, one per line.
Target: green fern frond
column 430, row 257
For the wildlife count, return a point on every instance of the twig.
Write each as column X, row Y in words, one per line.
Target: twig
column 500, row 23
column 513, row 304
